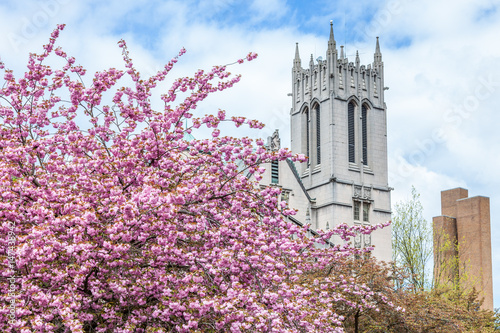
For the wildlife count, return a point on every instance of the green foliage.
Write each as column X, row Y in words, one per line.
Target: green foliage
column 496, row 320
column 410, row 311
column 412, row 242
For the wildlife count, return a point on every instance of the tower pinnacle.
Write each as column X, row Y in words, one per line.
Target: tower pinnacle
column 296, row 60
column 377, row 57
column 331, row 42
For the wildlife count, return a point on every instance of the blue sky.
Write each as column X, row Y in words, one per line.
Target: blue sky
column 441, row 65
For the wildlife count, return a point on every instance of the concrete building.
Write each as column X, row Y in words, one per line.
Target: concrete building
column 462, row 244
column 338, row 120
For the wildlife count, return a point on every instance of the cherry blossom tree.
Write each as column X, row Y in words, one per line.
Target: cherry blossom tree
column 113, row 222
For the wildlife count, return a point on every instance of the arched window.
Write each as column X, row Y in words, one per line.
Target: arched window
column 364, row 112
column 306, row 115
column 318, row 135
column 351, row 134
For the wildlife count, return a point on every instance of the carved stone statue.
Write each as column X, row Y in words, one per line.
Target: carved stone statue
column 275, row 141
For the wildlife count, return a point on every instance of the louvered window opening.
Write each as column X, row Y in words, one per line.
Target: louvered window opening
column 365, row 134
column 307, row 137
column 318, row 135
column 350, row 125
column 274, row 172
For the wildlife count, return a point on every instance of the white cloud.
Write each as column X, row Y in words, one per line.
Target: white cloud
column 269, row 8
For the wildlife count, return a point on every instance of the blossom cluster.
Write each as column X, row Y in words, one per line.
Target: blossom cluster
column 122, row 225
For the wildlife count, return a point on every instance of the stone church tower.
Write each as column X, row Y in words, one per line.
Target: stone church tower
column 339, row 120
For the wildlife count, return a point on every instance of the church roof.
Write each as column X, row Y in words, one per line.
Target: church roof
column 297, row 177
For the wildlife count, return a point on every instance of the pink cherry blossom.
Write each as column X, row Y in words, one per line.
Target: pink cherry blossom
column 122, row 225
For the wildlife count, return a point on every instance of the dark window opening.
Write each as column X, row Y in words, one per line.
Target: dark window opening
column 364, row 134
column 350, row 125
column 318, row 135
column 274, row 172
column 307, row 137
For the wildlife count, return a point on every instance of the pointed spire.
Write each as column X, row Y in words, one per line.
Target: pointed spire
column 311, row 62
column 357, row 59
column 341, row 51
column 296, row 61
column 332, row 45
column 377, row 57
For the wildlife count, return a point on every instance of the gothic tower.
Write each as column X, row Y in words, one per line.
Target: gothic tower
column 338, row 119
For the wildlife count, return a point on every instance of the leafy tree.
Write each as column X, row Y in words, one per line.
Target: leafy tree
column 404, row 310
column 451, row 275
column 497, row 319
column 119, row 224
column 411, row 242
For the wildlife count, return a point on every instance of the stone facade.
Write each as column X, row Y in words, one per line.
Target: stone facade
column 462, row 244
column 338, row 119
